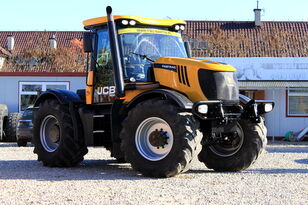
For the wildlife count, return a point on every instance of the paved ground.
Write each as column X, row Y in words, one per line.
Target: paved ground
column 279, row 177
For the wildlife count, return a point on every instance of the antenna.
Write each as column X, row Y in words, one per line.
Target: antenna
column 257, row 4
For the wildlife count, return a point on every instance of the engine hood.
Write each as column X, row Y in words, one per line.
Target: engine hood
column 194, row 62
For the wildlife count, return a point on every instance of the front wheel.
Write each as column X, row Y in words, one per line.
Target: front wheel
column 54, row 140
column 240, row 152
column 159, row 140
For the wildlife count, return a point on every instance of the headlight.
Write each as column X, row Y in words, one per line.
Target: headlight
column 182, row 27
column 265, row 108
column 268, row 107
column 132, row 23
column 177, row 27
column 203, row 109
column 125, row 22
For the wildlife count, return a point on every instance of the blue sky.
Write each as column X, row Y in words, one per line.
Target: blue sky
column 67, row 15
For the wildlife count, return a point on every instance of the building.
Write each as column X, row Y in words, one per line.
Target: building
column 271, row 60
column 19, row 89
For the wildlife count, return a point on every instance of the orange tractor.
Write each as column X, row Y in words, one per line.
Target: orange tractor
column 151, row 104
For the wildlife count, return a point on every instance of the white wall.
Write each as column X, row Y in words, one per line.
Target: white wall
column 9, row 87
column 268, row 68
column 277, row 122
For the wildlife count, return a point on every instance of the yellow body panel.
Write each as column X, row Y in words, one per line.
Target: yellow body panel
column 142, row 20
column 191, row 89
column 168, row 78
column 89, row 88
column 130, row 94
column 148, row 30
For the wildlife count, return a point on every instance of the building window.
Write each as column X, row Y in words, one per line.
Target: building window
column 28, row 91
column 298, row 102
column 254, row 94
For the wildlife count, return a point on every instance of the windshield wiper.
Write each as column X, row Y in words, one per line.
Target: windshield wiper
column 142, row 56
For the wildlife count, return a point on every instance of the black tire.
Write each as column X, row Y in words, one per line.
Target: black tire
column 179, row 126
column 22, row 143
column 254, row 142
column 54, row 139
column 11, row 126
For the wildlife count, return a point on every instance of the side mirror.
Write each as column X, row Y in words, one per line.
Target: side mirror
column 188, row 49
column 88, row 42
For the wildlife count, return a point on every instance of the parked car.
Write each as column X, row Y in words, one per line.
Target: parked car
column 25, row 127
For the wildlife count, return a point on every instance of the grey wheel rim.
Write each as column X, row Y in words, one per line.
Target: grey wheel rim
column 227, row 151
column 143, row 143
column 50, row 133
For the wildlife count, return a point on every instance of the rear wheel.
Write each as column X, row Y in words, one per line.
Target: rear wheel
column 239, row 153
column 11, row 126
column 54, row 140
column 159, row 140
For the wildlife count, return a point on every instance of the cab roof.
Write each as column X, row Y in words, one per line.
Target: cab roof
column 138, row 19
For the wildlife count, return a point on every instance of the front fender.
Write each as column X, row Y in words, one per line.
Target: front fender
column 180, row 99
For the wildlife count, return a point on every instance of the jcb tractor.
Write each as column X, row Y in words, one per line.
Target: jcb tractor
column 151, row 104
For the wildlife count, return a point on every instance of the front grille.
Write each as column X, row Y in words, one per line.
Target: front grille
column 182, row 74
column 218, row 85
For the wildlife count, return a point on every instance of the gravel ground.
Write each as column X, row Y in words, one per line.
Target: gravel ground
column 280, row 176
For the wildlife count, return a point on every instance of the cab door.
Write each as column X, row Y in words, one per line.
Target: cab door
column 104, row 86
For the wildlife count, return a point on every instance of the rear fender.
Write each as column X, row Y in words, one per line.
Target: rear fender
column 63, row 96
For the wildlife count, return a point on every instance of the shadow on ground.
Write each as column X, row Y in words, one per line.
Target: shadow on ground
column 297, row 149
column 301, row 161
column 87, row 170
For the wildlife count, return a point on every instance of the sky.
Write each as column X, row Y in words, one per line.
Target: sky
column 67, row 15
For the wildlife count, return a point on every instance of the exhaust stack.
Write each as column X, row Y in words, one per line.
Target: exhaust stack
column 115, row 54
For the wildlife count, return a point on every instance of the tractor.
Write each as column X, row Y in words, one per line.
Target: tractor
column 150, row 104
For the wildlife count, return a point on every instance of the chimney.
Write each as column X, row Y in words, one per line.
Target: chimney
column 53, row 42
column 257, row 15
column 10, row 43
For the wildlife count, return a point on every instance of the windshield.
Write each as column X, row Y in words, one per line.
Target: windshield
column 142, row 46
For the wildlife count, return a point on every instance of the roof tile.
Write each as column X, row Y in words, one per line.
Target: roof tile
column 243, row 39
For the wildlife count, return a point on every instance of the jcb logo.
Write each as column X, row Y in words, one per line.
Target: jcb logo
column 107, row 90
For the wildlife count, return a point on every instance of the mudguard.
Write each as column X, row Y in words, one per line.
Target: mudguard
column 180, row 99
column 63, row 96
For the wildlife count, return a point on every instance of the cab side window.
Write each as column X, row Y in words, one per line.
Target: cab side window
column 104, row 71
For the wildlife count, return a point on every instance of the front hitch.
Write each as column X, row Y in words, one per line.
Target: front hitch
column 223, row 114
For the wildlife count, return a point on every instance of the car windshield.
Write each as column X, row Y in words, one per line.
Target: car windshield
column 142, row 46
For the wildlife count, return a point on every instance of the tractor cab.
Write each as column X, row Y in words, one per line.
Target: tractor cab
column 141, row 41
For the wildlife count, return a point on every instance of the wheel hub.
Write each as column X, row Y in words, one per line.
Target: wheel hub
column 54, row 133
column 50, row 133
column 228, row 143
column 154, row 138
column 158, row 138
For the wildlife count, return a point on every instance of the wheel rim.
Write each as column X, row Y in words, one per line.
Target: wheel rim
column 154, row 138
column 227, row 147
column 50, row 133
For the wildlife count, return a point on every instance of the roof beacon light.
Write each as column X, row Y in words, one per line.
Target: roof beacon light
column 125, row 22
column 132, row 22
